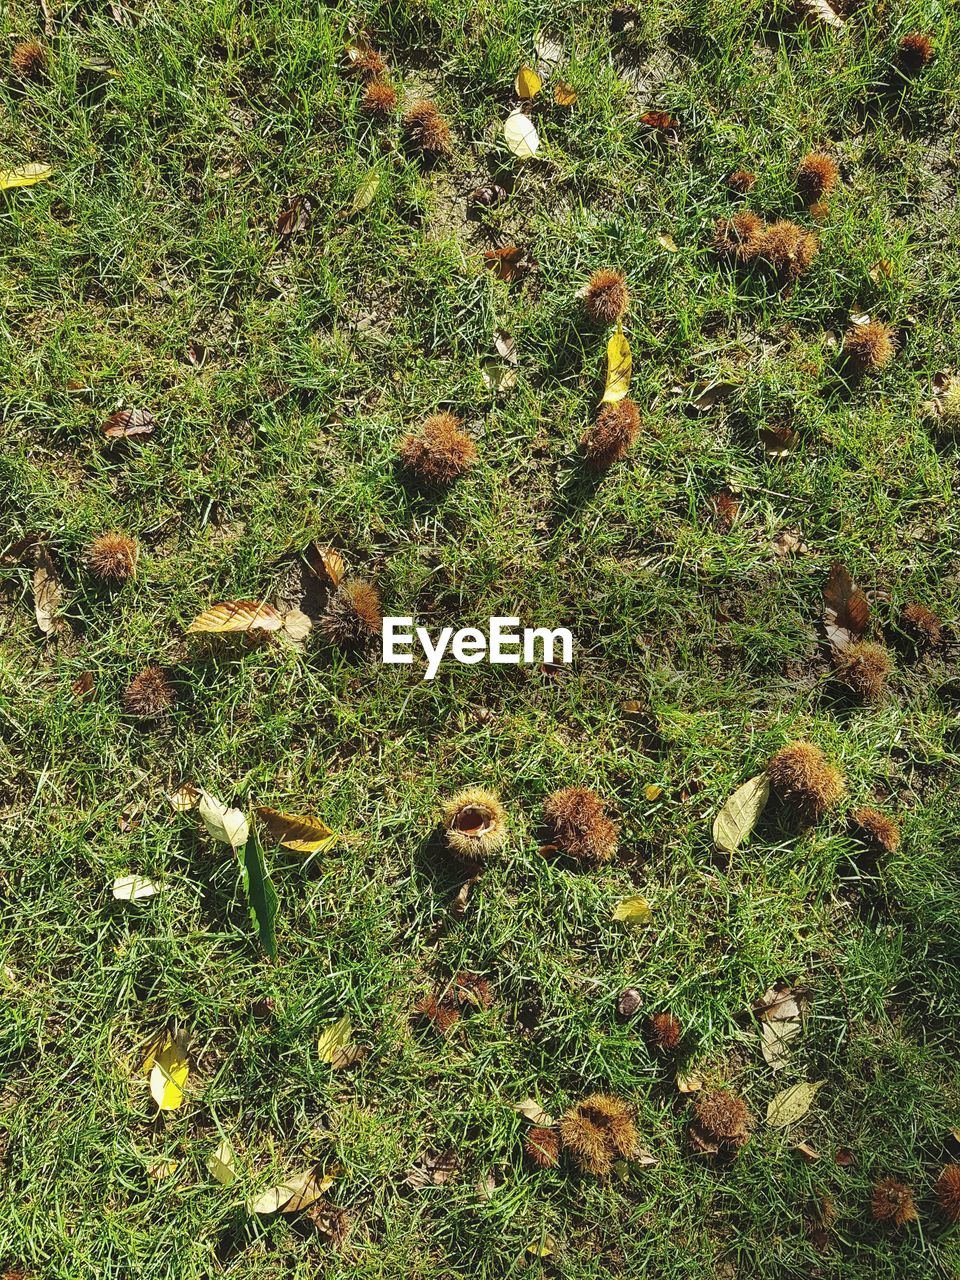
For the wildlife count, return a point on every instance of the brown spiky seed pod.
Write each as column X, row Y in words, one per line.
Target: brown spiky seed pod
column 800, row 775
column 367, row 61
column 606, row 296
column 816, row 176
column 614, row 431
column 29, row 60
column 149, row 694
column 579, row 825
column 664, row 1031
column 922, row 626
column 914, row 52
column 440, row 451
column 723, row 1116
column 598, row 1132
column 948, row 1192
column 471, row 991
column 742, row 181
column 113, row 557
column 353, row 614
column 869, row 346
column 542, row 1147
column 788, row 248
column 739, row 237
column 863, row 667
column 892, row 1201
column 440, row 1010
column 726, row 508
column 379, row 98
column 475, row 823
column 876, row 829
column 426, row 128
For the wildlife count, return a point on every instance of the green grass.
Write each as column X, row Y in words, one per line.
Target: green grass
column 157, row 231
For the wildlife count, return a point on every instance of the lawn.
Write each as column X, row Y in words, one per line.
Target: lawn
column 234, row 251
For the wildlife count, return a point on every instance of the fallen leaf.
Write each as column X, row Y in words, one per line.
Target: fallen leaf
column 294, row 217
column 433, row 1170
column 778, row 442
column 775, row 1040
column 881, row 270
column 789, row 542
column 236, row 615
column 820, row 11
column 549, row 51
column 133, row 888
column 846, row 613
column 229, row 826
column 294, row 831
column 662, row 121
column 292, row 1196
column 564, row 95
column 161, row 1169
column 506, row 263
column 542, row 1248
column 845, row 1158
column 619, row 368
column 635, row 909
column 741, row 813
column 367, row 189
column 261, row 895
column 668, row 243
column 327, row 563
column 498, row 377
column 707, row 394
column 168, row 1074
column 506, row 346
column 531, row 1110
column 521, row 135
column 296, row 625
column 527, row 84
column 486, row 1186
column 807, row 1153
column 47, row 592
column 688, row 1084
column 644, row 1159
column 220, row 1164
column 652, row 792
column 185, row 798
column 129, row 422
column 84, row 685
column 24, row 176
column 791, row 1104
column 334, row 1040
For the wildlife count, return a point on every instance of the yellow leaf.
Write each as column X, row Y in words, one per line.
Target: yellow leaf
column 522, row 138
column 295, row 831
column 563, row 94
column 652, row 791
column 185, row 798
column 326, row 562
column 334, row 1040
column 237, row 615
column 531, row 1110
column 133, row 888
column 635, row 909
column 689, row 1084
column 229, row 826
column 528, row 84
column 220, row 1162
column 168, row 1075
column 365, row 192
column 542, row 1248
column 738, row 817
column 25, row 176
column 619, row 368
column 298, row 1192
column 792, row 1104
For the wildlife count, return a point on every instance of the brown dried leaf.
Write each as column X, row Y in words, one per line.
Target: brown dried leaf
column 531, row 1110
column 185, row 798
column 506, row 263
column 327, row 563
column 846, row 613
column 295, row 831
column 433, row 1170
column 778, row 442
column 84, row 685
column 129, row 422
column 236, row 615
column 563, row 94
column 820, row 11
column 294, row 217
column 47, row 592
column 807, row 1153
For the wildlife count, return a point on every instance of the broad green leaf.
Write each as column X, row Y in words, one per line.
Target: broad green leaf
column 229, row 826
column 636, row 910
column 792, row 1104
column 738, row 817
column 619, row 368
column 334, row 1040
column 521, row 135
column 25, row 176
column 261, row 895
column 221, row 1164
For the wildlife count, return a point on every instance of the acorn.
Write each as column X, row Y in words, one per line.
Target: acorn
column 922, row 626
column 914, row 52
column 739, row 237
column 742, row 181
column 788, row 248
column 475, row 823
column 664, row 1031
column 379, row 98
column 721, row 1124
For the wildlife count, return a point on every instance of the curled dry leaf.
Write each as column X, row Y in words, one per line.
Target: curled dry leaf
column 433, row 1170
column 229, row 826
column 791, row 1105
column 294, row 217
column 24, row 176
column 527, row 84
column 778, row 442
column 563, row 94
column 688, row 1084
column 819, row 11
column 521, row 135
column 129, row 422
column 738, row 817
column 506, row 346
column 47, row 592
column 297, row 1193
column 84, row 685
column 295, row 831
column 619, row 368
column 635, row 909
column 506, row 263
column 531, row 1110
column 236, row 615
column 133, row 888
column 846, row 613
column 808, row 1154
column 296, row 626
column 542, row 1248
column 185, row 798
column 326, row 563
column 221, row 1163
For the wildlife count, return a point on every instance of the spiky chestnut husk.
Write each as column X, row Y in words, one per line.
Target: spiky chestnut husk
column 742, row 181
column 353, row 615
column 800, row 775
column 922, row 626
column 950, row 406
column 426, row 128
column 914, row 52
column 739, row 237
column 723, row 1116
column 379, row 98
column 726, row 508
column 817, row 176
column 542, row 1148
column 869, row 346
column 863, row 667
column 475, row 823
column 876, row 829
column 614, row 431
column 29, row 60
column 606, row 296
column 440, row 452
column 113, row 557
column 579, row 825
column 892, row 1201
column 471, row 991
column 664, row 1031
column 439, row 1010
column 787, row 248
column 597, row 1132
column 149, row 694
column 947, row 1191
column 368, row 62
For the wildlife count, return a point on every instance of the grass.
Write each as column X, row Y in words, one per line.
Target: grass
column 176, row 136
